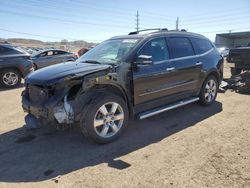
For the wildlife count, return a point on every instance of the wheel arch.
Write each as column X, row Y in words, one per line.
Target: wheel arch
column 213, row 72
column 13, row 68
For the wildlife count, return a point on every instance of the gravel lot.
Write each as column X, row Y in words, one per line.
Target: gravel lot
column 192, row 146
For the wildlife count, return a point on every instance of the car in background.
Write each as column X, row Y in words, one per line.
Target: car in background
column 82, row 51
column 15, row 64
column 51, row 57
column 239, row 60
column 223, row 51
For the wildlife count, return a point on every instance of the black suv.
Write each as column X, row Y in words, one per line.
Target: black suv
column 15, row 64
column 133, row 75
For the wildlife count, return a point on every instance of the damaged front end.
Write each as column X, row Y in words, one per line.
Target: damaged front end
column 47, row 104
column 58, row 101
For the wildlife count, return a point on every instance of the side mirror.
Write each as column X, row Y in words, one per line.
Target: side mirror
column 144, row 60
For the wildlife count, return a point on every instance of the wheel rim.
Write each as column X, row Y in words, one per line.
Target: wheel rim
column 10, row 78
column 108, row 119
column 210, row 90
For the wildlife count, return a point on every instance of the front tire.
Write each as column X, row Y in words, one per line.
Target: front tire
column 209, row 91
column 104, row 118
column 10, row 78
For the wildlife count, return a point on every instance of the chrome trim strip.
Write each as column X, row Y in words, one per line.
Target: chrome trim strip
column 171, row 87
column 183, row 58
column 181, row 103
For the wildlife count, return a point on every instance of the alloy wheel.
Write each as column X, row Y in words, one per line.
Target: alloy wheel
column 108, row 119
column 210, row 90
column 10, row 78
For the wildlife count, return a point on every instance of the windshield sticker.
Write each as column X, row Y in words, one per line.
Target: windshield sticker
column 129, row 41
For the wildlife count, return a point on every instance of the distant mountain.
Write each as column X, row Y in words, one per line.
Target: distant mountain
column 69, row 45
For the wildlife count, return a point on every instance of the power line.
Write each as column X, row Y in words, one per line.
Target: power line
column 62, row 20
column 46, row 36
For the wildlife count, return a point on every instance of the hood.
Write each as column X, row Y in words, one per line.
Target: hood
column 55, row 73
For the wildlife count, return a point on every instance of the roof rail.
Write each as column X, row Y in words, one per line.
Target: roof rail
column 154, row 29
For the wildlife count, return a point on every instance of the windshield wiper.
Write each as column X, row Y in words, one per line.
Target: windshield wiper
column 91, row 61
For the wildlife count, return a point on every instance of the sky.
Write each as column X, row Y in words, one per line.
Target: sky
column 98, row 20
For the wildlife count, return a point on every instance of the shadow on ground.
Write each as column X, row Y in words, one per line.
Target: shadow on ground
column 8, row 89
column 32, row 156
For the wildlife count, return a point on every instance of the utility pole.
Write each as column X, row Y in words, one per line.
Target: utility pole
column 177, row 24
column 137, row 21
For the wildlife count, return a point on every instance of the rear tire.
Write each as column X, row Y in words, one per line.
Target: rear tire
column 235, row 71
column 209, row 91
column 10, row 78
column 104, row 118
column 34, row 66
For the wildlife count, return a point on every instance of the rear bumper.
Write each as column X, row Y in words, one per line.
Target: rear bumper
column 239, row 65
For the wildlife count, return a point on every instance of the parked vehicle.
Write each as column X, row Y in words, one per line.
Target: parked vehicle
column 15, row 64
column 136, row 75
column 223, row 51
column 82, row 51
column 51, row 57
column 239, row 60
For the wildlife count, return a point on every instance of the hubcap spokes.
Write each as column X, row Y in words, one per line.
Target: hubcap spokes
column 108, row 119
column 10, row 78
column 210, row 90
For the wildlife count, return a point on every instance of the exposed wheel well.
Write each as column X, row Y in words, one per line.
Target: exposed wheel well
column 214, row 73
column 112, row 89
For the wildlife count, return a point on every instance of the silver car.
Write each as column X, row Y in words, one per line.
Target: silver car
column 51, row 57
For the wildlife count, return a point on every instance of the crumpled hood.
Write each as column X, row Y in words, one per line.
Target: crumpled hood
column 54, row 73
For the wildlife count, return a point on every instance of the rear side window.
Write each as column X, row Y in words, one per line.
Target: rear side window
column 6, row 51
column 59, row 52
column 157, row 48
column 180, row 47
column 201, row 45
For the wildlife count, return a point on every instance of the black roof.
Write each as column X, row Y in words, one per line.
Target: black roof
column 159, row 33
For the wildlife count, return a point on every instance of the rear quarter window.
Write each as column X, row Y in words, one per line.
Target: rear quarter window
column 201, row 45
column 180, row 47
column 59, row 52
column 7, row 51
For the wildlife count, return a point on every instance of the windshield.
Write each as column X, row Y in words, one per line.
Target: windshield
column 110, row 51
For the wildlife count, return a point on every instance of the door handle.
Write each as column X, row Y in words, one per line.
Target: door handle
column 170, row 69
column 199, row 63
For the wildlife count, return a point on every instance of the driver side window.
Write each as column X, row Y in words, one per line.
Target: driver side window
column 157, row 49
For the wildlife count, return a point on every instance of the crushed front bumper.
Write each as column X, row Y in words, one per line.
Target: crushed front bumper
column 54, row 109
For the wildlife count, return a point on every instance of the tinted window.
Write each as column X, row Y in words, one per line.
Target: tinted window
column 6, row 51
column 181, row 47
column 43, row 54
column 201, row 45
column 59, row 52
column 156, row 48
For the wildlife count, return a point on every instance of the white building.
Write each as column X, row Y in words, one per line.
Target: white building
column 231, row 40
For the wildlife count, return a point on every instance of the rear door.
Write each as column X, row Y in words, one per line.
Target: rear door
column 60, row 56
column 44, row 59
column 187, row 66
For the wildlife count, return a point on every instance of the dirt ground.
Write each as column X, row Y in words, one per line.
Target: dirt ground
column 192, row 146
